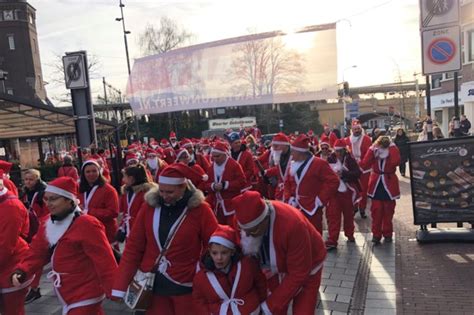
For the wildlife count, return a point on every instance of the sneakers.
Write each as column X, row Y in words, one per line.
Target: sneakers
column 351, row 239
column 388, row 239
column 32, row 295
column 330, row 246
column 376, row 240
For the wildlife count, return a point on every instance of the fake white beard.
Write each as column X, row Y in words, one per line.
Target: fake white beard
column 152, row 163
column 206, row 151
column 154, row 146
column 276, row 155
column 250, row 244
column 54, row 231
column 295, row 166
column 173, row 143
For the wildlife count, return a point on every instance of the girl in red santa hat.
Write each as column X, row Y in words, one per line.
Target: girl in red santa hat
column 98, row 198
column 82, row 263
column 229, row 283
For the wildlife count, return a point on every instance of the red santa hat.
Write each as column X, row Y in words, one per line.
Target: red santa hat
column 250, row 209
column 90, row 162
column 324, row 141
column 356, row 123
column 5, row 166
column 339, row 144
column 130, row 157
column 186, row 143
column 64, row 186
column 164, row 142
column 281, row 139
column 172, row 135
column 220, row 147
column 205, row 141
column 133, row 146
column 226, row 236
column 180, row 153
column 160, row 152
column 150, row 152
column 310, row 133
column 177, row 174
column 301, row 143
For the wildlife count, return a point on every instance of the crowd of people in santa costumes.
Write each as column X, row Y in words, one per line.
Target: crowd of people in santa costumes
column 269, row 201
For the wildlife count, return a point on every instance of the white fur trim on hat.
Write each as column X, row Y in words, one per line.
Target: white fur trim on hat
column 61, row 192
column 222, row 241
column 90, row 162
column 218, row 151
column 257, row 220
column 299, row 149
column 171, row 180
column 280, row 143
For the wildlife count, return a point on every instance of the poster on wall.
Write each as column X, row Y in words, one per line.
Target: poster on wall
column 442, row 180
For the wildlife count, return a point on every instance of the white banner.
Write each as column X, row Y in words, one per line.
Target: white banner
column 264, row 68
column 232, row 123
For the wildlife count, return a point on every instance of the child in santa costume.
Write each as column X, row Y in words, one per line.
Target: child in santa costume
column 347, row 195
column 98, row 198
column 383, row 158
column 14, row 228
column 177, row 223
column 136, row 185
column 82, row 262
column 229, row 283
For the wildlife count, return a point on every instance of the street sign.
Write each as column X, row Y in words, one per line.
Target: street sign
column 74, row 71
column 441, row 50
column 352, row 110
column 435, row 13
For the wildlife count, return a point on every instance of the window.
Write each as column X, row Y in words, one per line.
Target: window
column 470, row 49
column 436, row 81
column 10, row 91
column 34, row 45
column 30, row 18
column 8, row 15
column 439, row 116
column 11, row 41
column 449, row 75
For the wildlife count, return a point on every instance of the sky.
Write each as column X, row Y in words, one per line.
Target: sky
column 380, row 37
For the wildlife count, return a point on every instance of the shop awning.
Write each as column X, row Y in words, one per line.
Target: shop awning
column 24, row 118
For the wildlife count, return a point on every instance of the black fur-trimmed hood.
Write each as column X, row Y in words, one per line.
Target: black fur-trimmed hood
column 152, row 197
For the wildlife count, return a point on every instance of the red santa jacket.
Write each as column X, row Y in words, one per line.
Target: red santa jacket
column 69, row 171
column 282, row 176
column 358, row 146
column 245, row 160
column 332, row 138
column 297, row 251
column 10, row 185
column 103, row 203
column 233, row 180
column 129, row 208
column 202, row 161
column 383, row 170
column 14, row 227
column 82, row 261
column 349, row 174
column 314, row 187
column 143, row 245
column 170, row 155
column 216, row 290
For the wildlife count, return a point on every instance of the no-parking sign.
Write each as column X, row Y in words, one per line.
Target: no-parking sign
column 441, row 50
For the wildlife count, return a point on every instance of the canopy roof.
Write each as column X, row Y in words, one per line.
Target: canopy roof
column 24, row 118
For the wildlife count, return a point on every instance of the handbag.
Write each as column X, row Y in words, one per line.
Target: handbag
column 140, row 291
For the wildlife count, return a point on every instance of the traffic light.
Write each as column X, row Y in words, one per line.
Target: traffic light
column 343, row 89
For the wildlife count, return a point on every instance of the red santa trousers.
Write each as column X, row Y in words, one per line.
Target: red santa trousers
column 94, row 309
column 316, row 220
column 13, row 303
column 364, row 185
column 382, row 215
column 306, row 300
column 36, row 281
column 171, row 305
column 340, row 205
column 224, row 219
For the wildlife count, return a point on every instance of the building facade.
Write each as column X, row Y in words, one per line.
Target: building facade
column 19, row 51
column 442, row 85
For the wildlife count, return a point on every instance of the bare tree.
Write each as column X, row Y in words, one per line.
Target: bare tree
column 169, row 35
column 265, row 66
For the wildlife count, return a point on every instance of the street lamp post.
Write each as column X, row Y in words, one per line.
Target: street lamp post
column 344, row 96
column 125, row 33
